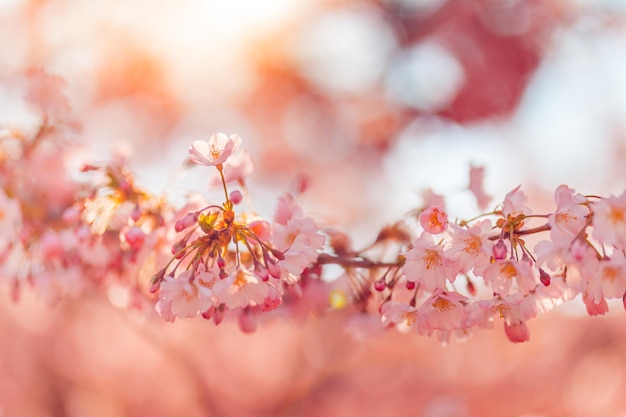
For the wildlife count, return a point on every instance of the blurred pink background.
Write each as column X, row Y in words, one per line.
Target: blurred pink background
column 374, row 100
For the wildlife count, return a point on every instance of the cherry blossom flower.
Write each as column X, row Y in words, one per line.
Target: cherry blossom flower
column 513, row 309
column 183, row 296
column 216, row 150
column 434, row 220
column 427, row 265
column 606, row 278
column 471, row 248
column 501, row 274
column 570, row 215
column 609, row 220
column 241, row 289
column 443, row 310
column 398, row 314
column 595, row 307
column 476, row 179
column 517, row 332
column 296, row 236
column 515, row 203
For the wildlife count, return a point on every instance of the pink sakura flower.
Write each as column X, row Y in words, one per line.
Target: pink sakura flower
column 241, row 289
column 215, row 151
column 609, row 220
column 515, row 203
column 471, row 248
column 398, row 314
column 443, row 310
column 237, row 168
column 595, row 307
column 476, row 179
column 513, row 309
column 517, row 333
column 501, row 273
column 434, row 220
column 184, row 296
column 300, row 241
column 570, row 216
column 427, row 266
column 606, row 278
column 296, row 236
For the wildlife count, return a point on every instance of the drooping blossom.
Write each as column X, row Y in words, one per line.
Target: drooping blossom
column 427, row 265
column 501, row 274
column 216, row 150
column 183, row 296
column 398, row 314
column 606, row 278
column 513, row 309
column 609, row 220
column 443, row 310
column 476, row 179
column 241, row 289
column 434, row 220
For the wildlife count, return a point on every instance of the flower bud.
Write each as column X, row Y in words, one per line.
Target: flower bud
column 188, row 220
column 544, row 277
column 499, row 250
column 236, row 197
column 380, row 284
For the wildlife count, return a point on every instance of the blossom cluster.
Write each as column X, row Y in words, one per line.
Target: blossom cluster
column 96, row 232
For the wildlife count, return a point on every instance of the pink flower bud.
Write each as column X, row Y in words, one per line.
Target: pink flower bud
column 517, row 333
column 236, row 197
column 380, row 284
column 135, row 237
column 135, row 215
column 499, row 250
column 247, row 321
column 544, row 277
column 410, row 285
column 185, row 222
column 434, row 220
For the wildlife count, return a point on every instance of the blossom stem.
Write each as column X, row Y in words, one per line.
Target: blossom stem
column 325, row 259
column 220, row 169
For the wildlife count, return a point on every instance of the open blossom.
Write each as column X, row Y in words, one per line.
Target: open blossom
column 300, row 241
column 215, row 151
column 570, row 216
column 183, row 296
column 501, row 274
column 471, row 248
column 398, row 314
column 297, row 236
column 513, row 309
column 443, row 310
column 427, row 265
column 515, row 203
column 606, row 278
column 609, row 220
column 241, row 289
column 434, row 220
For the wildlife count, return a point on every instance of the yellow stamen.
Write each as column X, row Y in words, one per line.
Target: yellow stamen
column 432, row 259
